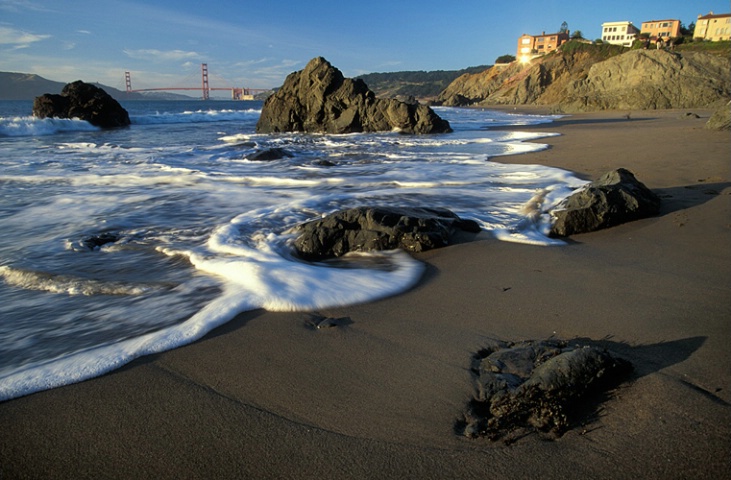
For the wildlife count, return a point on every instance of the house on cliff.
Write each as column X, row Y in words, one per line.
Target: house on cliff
column 619, row 33
column 713, row 27
column 661, row 31
column 531, row 46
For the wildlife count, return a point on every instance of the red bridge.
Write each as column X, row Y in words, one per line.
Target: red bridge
column 205, row 88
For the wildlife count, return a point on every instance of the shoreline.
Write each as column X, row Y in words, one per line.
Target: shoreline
column 267, row 396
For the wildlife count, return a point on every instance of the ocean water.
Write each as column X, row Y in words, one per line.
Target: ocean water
column 201, row 233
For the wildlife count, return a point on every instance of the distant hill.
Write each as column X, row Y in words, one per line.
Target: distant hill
column 418, row 84
column 27, row 86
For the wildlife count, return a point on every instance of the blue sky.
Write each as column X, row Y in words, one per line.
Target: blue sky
column 256, row 44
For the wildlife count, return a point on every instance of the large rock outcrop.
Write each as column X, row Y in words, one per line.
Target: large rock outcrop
column 364, row 229
column 617, row 197
column 319, row 99
column 598, row 78
column 84, row 101
column 653, row 79
column 721, row 118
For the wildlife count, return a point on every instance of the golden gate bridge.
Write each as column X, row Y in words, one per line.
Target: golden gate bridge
column 205, row 88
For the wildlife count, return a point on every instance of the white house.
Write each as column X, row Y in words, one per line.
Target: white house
column 619, row 33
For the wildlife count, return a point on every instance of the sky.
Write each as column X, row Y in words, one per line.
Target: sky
column 162, row 43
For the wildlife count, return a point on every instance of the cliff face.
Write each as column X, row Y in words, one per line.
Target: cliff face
column 584, row 81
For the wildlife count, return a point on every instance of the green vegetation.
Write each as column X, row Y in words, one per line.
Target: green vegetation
column 419, row 84
column 505, row 59
column 714, row 48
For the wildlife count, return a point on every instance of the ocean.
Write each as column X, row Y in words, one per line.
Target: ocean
column 121, row 243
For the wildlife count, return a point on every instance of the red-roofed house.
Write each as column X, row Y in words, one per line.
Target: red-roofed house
column 531, row 46
column 713, row 27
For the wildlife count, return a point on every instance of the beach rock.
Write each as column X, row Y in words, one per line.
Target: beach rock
column 84, row 101
column 617, row 197
column 364, row 229
column 536, row 385
column 319, row 99
column 721, row 118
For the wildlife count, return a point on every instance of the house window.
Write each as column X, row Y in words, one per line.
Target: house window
column 525, row 41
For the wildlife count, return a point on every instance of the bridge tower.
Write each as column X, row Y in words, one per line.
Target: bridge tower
column 204, row 79
column 128, row 81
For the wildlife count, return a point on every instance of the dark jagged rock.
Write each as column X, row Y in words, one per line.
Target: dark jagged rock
column 85, row 101
column 378, row 228
column 535, row 385
column 269, row 154
column 617, row 197
column 318, row 99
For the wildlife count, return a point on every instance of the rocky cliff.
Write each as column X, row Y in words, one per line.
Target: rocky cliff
column 582, row 80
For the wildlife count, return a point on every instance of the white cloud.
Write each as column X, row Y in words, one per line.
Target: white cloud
column 19, row 38
column 161, row 55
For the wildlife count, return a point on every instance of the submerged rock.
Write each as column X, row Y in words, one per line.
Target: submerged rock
column 319, row 99
column 269, row 154
column 535, row 385
column 617, row 197
column 96, row 241
column 84, row 101
column 379, row 228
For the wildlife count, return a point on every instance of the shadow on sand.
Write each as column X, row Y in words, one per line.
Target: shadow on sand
column 679, row 198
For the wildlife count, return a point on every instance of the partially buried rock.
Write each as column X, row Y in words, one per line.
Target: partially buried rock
column 84, row 101
column 363, row 229
column 319, row 99
column 536, row 386
column 617, row 197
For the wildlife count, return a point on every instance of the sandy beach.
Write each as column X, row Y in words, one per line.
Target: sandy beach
column 269, row 396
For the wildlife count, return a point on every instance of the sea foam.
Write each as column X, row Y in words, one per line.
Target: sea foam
column 206, row 234
column 32, row 126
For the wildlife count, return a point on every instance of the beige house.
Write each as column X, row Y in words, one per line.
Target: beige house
column 531, row 46
column 713, row 27
column 619, row 33
column 661, row 30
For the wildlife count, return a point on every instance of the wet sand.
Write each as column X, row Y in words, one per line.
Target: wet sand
column 269, row 396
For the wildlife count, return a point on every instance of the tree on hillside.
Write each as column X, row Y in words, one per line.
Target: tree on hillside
column 577, row 35
column 505, row 58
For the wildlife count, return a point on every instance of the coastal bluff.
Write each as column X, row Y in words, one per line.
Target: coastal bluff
column 319, row 99
column 592, row 79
